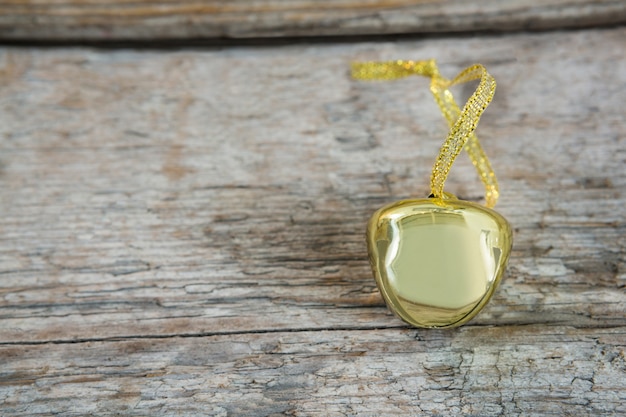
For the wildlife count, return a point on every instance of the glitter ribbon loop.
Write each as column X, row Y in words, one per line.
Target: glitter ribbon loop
column 462, row 122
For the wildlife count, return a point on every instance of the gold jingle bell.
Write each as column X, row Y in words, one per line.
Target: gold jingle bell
column 437, row 261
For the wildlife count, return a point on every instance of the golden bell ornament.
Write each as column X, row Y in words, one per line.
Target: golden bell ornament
column 437, row 261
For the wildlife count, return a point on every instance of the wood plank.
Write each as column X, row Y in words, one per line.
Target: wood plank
column 78, row 20
column 473, row 371
column 172, row 218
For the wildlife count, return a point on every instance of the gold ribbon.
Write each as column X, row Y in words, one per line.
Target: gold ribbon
column 462, row 122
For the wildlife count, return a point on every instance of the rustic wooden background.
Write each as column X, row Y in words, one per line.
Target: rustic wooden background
column 182, row 231
column 168, row 20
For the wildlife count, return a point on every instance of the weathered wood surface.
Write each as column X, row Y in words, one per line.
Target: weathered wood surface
column 182, row 232
column 71, row 20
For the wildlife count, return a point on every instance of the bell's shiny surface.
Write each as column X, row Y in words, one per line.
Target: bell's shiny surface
column 437, row 261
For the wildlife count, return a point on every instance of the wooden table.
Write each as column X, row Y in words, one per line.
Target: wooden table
column 182, row 230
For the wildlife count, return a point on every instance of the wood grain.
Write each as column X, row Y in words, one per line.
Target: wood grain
column 476, row 371
column 78, row 20
column 182, row 232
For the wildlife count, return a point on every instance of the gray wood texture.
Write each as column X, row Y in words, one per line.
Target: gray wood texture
column 182, row 232
column 93, row 20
